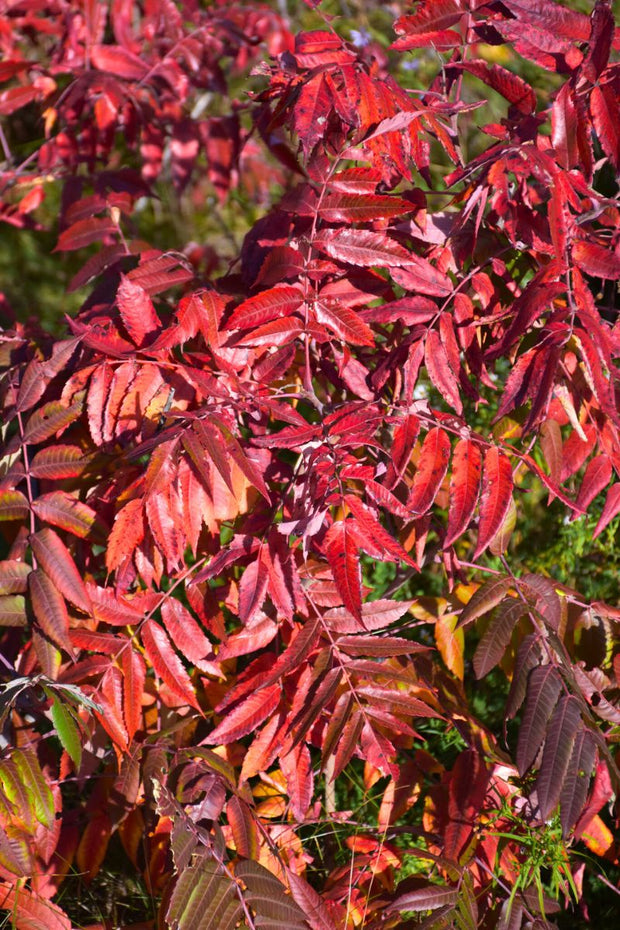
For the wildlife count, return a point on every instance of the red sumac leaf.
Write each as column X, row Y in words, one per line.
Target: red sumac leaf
column 432, row 468
column 246, row 717
column 359, row 247
column 127, row 533
column 50, row 419
column 596, row 260
column 606, row 117
column 14, row 576
column 268, row 305
column 595, row 479
column 84, row 233
column 13, row 505
column 297, row 768
column 345, row 323
column 574, row 789
column 137, row 311
column 57, row 562
column 50, row 609
column 134, row 677
column 495, row 497
column 610, row 510
column 513, row 88
column 356, row 208
column 343, row 558
column 464, row 488
column 66, row 512
column 440, row 372
column 119, row 61
column 59, row 461
column 166, row 663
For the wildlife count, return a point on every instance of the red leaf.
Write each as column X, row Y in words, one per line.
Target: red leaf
column 58, row 462
column 596, row 260
column 466, row 793
column 246, row 717
column 495, row 498
column 596, row 478
column 15, row 98
column 606, row 118
column 61, row 509
column 269, row 305
column 359, row 247
column 310, row 116
column 432, row 468
column 464, row 488
column 376, row 532
column 50, row 419
column 31, row 911
column 84, row 233
column 296, row 766
column 57, row 562
column 513, row 88
column 13, row 505
column 137, row 311
column 50, row 609
column 405, row 435
column 342, row 555
column 166, row 663
column 440, row 372
column 127, row 533
column 345, row 323
column 275, row 333
column 134, row 677
column 187, row 636
column 359, row 208
column 564, row 128
column 611, row 509
column 118, row 61
column 429, row 27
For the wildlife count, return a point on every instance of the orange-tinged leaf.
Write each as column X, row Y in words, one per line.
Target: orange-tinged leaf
column 13, row 505
column 450, row 643
column 127, row 533
column 68, row 513
column 93, row 845
column 31, row 911
column 495, row 497
column 342, row 555
column 598, row 837
column 14, row 576
column 49, row 419
column 58, row 462
column 432, row 468
column 166, row 663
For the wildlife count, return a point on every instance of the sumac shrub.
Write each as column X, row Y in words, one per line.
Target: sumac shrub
column 212, row 682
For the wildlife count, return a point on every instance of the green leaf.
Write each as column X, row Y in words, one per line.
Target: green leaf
column 64, row 720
